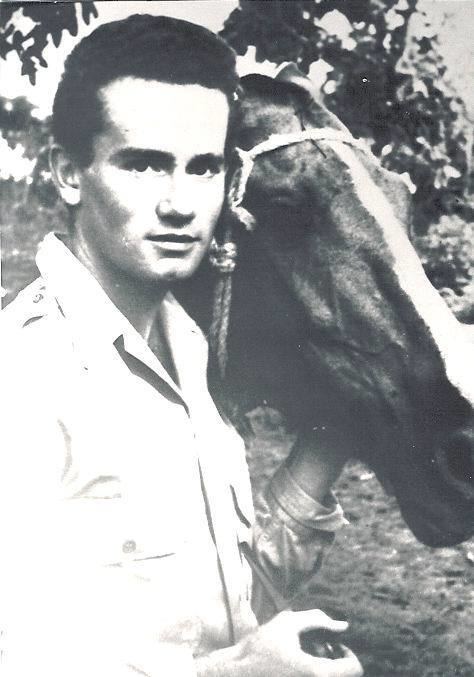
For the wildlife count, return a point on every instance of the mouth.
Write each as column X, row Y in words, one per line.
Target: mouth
column 174, row 241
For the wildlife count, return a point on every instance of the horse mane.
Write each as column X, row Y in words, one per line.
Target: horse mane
column 281, row 91
column 311, row 112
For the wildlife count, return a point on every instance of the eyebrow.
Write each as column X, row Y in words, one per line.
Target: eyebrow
column 152, row 156
column 163, row 158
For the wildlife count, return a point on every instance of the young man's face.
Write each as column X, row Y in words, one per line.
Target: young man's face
column 151, row 198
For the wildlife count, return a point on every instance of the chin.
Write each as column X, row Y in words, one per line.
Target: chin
column 175, row 274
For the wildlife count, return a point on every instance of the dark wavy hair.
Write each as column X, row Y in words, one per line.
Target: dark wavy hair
column 143, row 46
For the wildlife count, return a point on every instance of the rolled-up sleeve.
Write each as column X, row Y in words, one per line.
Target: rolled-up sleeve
column 291, row 536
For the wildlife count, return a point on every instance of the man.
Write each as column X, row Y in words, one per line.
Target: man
column 130, row 496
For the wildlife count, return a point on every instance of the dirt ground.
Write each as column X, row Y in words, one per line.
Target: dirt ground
column 410, row 607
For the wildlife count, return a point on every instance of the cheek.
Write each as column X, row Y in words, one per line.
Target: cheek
column 105, row 195
column 213, row 199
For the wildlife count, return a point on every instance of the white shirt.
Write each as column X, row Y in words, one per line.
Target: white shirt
column 127, row 495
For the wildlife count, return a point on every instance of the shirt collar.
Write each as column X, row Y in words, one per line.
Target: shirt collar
column 80, row 297
column 95, row 318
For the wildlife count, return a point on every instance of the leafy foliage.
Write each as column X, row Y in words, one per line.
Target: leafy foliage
column 385, row 87
column 24, row 221
column 19, row 127
column 447, row 254
column 48, row 19
column 447, row 251
column 28, row 204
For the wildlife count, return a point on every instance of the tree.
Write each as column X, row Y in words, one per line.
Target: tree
column 29, row 207
column 28, row 203
column 385, row 87
column 49, row 20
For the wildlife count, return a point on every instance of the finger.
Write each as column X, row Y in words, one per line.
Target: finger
column 347, row 666
column 317, row 619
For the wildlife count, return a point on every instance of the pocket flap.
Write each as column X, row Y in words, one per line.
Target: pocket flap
column 105, row 531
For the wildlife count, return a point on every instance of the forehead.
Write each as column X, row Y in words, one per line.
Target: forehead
column 150, row 114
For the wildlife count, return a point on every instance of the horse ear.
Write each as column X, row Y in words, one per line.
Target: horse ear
column 289, row 72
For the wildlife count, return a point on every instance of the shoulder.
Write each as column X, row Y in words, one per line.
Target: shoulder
column 31, row 437
column 30, row 305
column 26, row 328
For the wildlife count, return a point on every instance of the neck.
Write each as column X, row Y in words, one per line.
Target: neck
column 140, row 304
column 139, row 301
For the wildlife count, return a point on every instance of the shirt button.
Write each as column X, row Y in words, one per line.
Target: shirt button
column 129, row 546
column 37, row 298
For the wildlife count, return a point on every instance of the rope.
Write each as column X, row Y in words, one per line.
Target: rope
column 222, row 257
column 276, row 141
column 220, row 321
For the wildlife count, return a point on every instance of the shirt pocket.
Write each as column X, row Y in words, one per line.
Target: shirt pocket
column 105, row 562
column 107, row 531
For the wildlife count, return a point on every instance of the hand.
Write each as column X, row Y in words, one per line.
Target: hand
column 274, row 649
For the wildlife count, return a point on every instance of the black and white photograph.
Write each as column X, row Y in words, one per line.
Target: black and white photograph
column 237, row 338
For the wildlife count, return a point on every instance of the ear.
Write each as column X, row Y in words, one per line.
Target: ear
column 289, row 72
column 65, row 175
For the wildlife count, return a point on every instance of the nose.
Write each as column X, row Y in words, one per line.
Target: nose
column 176, row 206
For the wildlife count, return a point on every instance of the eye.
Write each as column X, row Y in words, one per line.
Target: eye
column 144, row 165
column 140, row 166
column 205, row 168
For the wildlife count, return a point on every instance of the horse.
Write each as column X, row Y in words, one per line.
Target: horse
column 331, row 318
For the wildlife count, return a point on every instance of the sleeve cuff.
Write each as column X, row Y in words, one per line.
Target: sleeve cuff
column 295, row 507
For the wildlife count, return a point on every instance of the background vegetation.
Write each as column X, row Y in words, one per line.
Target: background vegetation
column 385, row 84
column 29, row 207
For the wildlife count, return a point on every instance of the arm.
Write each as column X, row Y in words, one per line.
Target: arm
column 316, row 461
column 290, row 538
column 300, row 517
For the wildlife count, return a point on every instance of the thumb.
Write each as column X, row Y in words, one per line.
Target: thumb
column 348, row 664
column 316, row 619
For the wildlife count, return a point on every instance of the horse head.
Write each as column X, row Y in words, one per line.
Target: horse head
column 332, row 317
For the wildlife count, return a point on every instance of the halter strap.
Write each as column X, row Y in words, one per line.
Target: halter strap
column 247, row 158
column 275, row 141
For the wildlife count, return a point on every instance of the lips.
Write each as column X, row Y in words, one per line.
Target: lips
column 173, row 244
column 179, row 238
